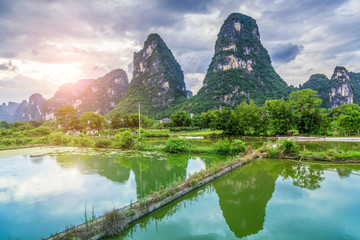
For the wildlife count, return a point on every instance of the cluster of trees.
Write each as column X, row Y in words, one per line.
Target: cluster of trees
column 130, row 121
column 300, row 114
column 67, row 118
column 22, row 125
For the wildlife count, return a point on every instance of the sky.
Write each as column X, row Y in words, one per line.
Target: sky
column 46, row 43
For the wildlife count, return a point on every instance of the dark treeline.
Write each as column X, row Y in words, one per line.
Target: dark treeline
column 301, row 114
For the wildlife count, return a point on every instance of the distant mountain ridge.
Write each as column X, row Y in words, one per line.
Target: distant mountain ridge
column 96, row 95
column 342, row 88
column 240, row 70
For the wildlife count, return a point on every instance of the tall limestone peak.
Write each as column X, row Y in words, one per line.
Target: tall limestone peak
column 240, row 68
column 35, row 112
column 158, row 81
column 341, row 89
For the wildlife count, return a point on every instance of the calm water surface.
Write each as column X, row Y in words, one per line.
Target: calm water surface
column 266, row 199
column 44, row 190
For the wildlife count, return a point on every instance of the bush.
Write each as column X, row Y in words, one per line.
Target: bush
column 223, row 146
column 177, row 145
column 85, row 142
column 272, row 153
column 40, row 131
column 125, row 140
column 237, row 146
column 103, row 143
column 58, row 138
column 41, row 140
column 179, row 129
column 227, row 147
column 288, row 146
column 55, row 138
column 8, row 141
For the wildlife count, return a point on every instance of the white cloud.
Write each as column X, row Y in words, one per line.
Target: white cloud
column 64, row 41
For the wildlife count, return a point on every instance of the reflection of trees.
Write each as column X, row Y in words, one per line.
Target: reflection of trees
column 102, row 165
column 343, row 172
column 243, row 196
column 151, row 173
column 304, row 176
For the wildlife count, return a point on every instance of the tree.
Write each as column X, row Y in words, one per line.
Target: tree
column 35, row 124
column 67, row 117
column 4, row 125
column 350, row 121
column 91, row 120
column 21, row 125
column 306, row 106
column 281, row 118
column 198, row 121
column 250, row 119
column 180, row 119
column 343, row 109
column 116, row 121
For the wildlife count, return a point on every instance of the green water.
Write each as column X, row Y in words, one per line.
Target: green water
column 266, row 199
column 43, row 190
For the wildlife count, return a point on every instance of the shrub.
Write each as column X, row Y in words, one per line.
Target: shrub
column 58, row 138
column 65, row 139
column 125, row 140
column 103, row 143
column 55, row 138
column 179, row 129
column 227, row 147
column 114, row 222
column 237, row 146
column 17, row 134
column 8, row 141
column 288, row 146
column 85, row 142
column 223, row 146
column 177, row 145
column 272, row 153
column 40, row 131
column 41, row 140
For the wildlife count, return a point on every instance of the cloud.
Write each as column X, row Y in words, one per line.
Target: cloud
column 19, row 87
column 284, row 53
column 194, row 81
column 82, row 34
column 8, row 66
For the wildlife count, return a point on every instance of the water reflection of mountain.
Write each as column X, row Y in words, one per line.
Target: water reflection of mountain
column 243, row 196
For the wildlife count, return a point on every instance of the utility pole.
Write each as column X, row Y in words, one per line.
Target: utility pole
column 139, row 127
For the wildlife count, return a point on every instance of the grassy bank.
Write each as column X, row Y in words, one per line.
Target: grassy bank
column 288, row 149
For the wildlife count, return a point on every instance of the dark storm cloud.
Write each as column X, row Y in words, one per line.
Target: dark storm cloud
column 8, row 66
column 284, row 53
column 185, row 5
